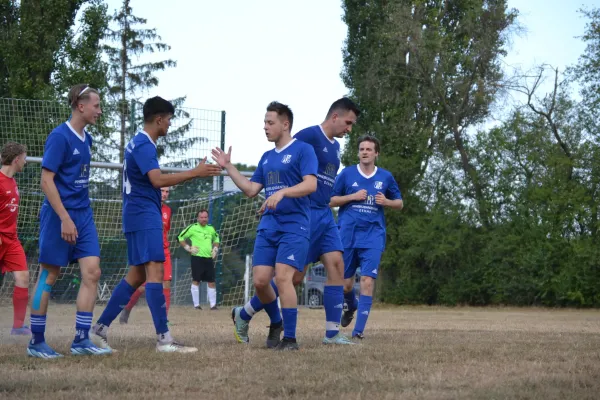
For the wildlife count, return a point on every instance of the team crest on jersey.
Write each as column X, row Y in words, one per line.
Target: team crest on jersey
column 378, row 185
column 286, row 159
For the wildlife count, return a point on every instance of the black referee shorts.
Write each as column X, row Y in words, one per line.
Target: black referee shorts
column 203, row 269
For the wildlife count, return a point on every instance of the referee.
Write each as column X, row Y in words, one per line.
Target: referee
column 203, row 249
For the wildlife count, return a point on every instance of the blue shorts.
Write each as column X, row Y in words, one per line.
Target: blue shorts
column 145, row 246
column 365, row 259
column 324, row 234
column 273, row 247
column 54, row 250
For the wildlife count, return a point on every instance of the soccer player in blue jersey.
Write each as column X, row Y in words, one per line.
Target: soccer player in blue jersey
column 325, row 243
column 288, row 174
column 362, row 191
column 142, row 225
column 67, row 229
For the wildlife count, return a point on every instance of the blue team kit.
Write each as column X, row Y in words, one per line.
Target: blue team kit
column 362, row 224
column 142, row 217
column 279, row 169
column 68, row 155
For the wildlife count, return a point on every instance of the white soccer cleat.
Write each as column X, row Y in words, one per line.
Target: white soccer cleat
column 100, row 339
column 174, row 347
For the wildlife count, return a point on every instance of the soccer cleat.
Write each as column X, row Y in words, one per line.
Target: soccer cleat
column 100, row 339
column 274, row 337
column 358, row 336
column 87, row 348
column 22, row 331
column 42, row 350
column 124, row 318
column 240, row 327
column 287, row 344
column 174, row 347
column 347, row 317
column 198, row 307
column 338, row 339
column 214, row 308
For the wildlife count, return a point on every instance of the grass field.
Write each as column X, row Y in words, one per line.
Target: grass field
column 408, row 353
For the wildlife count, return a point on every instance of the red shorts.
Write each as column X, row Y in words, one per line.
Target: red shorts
column 12, row 256
column 167, row 268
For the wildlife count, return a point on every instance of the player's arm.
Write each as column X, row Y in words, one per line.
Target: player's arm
column 250, row 188
column 339, row 197
column 202, row 170
column 186, row 233
column 54, row 157
column 392, row 197
column 215, row 244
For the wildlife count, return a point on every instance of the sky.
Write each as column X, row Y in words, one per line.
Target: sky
column 239, row 55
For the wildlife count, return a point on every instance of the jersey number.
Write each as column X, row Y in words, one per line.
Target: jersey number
column 126, row 183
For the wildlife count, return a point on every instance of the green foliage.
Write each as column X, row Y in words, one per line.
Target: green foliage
column 506, row 215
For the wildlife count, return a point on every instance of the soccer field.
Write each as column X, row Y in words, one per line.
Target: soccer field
column 412, row 353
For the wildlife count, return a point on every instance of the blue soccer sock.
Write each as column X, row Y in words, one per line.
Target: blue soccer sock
column 290, row 318
column 364, row 308
column 274, row 286
column 83, row 323
column 333, row 301
column 118, row 300
column 350, row 299
column 158, row 306
column 38, row 328
column 251, row 308
column 272, row 310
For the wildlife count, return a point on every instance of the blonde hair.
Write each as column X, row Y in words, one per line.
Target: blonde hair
column 80, row 92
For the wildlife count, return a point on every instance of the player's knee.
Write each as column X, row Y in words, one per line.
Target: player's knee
column 282, row 282
column 366, row 285
column 22, row 278
column 261, row 283
column 91, row 275
column 348, row 284
column 298, row 278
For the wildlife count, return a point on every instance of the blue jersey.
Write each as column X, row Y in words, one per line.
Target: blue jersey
column 362, row 224
column 141, row 200
column 68, row 155
column 280, row 169
column 328, row 155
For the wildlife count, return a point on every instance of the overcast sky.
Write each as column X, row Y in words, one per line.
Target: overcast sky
column 238, row 55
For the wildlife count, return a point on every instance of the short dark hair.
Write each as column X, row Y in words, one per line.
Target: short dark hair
column 80, row 92
column 343, row 104
column 203, row 210
column 10, row 151
column 157, row 106
column 282, row 110
column 369, row 138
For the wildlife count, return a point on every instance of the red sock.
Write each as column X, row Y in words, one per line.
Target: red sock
column 20, row 299
column 167, row 293
column 134, row 299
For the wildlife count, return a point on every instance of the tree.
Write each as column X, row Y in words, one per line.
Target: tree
column 129, row 80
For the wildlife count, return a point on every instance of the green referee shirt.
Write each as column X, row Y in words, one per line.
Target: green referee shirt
column 201, row 237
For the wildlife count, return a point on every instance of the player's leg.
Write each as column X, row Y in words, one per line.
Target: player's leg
column 122, row 293
column 263, row 265
column 87, row 252
column 350, row 265
column 167, row 277
column 54, row 252
column 196, row 265
column 369, row 265
column 156, row 302
column 331, row 252
column 38, row 310
column 13, row 260
column 291, row 255
column 124, row 316
column 208, row 276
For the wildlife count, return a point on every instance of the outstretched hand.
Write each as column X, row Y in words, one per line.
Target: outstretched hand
column 221, row 158
column 204, row 170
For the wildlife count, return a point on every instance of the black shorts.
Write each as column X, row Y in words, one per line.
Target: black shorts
column 203, row 269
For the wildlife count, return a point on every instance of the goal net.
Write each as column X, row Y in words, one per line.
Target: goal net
column 193, row 134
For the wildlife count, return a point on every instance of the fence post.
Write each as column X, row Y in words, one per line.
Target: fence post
column 219, row 266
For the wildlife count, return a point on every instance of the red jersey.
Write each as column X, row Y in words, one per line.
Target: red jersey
column 166, row 221
column 9, row 205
